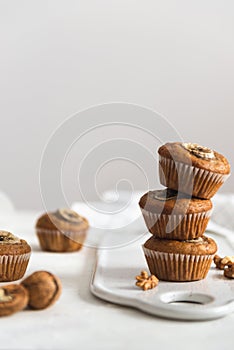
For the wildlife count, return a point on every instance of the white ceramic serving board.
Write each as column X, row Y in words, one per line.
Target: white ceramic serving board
column 114, row 281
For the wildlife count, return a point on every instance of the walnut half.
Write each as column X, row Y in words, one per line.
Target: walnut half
column 43, row 288
column 145, row 281
column 13, row 298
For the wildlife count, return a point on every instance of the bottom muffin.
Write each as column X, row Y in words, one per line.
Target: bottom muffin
column 179, row 261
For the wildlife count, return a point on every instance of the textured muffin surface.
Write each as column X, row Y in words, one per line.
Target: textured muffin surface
column 12, row 245
column 176, row 151
column 201, row 246
column 168, row 201
column 54, row 221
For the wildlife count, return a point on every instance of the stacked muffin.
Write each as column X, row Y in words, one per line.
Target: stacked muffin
column 178, row 215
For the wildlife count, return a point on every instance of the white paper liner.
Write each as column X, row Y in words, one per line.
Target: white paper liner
column 13, row 267
column 203, row 183
column 70, row 234
column 176, row 226
column 54, row 239
column 177, row 267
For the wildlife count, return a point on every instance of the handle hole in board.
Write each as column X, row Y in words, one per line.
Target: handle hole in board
column 175, row 298
column 176, row 302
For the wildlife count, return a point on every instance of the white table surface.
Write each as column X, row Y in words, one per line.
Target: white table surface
column 81, row 321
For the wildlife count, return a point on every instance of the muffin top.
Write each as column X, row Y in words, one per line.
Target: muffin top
column 200, row 246
column 62, row 220
column 12, row 245
column 167, row 200
column 196, row 155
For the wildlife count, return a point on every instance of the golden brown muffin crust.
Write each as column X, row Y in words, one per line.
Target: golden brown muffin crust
column 15, row 249
column 54, row 221
column 12, row 245
column 201, row 246
column 175, row 151
column 165, row 201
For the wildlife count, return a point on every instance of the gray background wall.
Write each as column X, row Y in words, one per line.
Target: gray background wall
column 58, row 57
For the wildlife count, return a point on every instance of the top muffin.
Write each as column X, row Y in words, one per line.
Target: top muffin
column 193, row 169
column 195, row 155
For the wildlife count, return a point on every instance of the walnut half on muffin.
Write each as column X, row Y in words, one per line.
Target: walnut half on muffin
column 61, row 231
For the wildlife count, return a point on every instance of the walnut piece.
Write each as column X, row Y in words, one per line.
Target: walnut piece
column 145, row 281
column 4, row 297
column 13, row 298
column 229, row 271
column 199, row 151
column 222, row 262
column 69, row 215
column 8, row 238
column 43, row 288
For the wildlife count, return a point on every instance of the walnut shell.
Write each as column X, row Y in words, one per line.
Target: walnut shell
column 13, row 298
column 44, row 289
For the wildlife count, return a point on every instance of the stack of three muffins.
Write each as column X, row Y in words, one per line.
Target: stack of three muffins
column 178, row 215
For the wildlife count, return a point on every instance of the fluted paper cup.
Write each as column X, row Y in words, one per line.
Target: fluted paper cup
column 176, row 226
column 186, row 178
column 177, row 267
column 13, row 267
column 57, row 241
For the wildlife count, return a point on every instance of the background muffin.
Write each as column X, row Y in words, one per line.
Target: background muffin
column 172, row 215
column 14, row 257
column 193, row 169
column 179, row 261
column 61, row 231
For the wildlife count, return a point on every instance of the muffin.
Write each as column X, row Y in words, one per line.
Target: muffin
column 172, row 215
column 193, row 169
column 179, row 261
column 61, row 231
column 14, row 257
